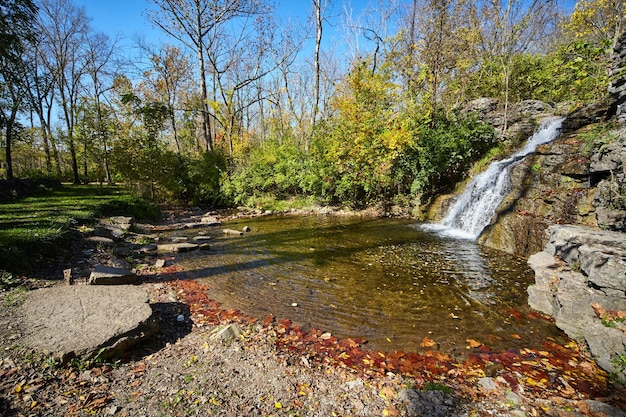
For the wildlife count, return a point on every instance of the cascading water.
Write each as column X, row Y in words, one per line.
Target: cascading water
column 475, row 207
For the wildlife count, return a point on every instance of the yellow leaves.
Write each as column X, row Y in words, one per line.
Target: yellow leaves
column 387, row 393
column 596, row 17
column 534, row 383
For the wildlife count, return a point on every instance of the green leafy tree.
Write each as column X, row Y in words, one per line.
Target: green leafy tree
column 16, row 32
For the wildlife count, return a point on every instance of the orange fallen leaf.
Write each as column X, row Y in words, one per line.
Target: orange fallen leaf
column 473, row 343
column 428, row 342
column 516, row 336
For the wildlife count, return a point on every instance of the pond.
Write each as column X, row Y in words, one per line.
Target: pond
column 383, row 280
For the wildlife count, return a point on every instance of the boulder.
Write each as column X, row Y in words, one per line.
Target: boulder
column 86, row 321
column 579, row 270
column 592, row 113
column 109, row 275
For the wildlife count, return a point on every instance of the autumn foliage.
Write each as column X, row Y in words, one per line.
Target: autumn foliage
column 555, row 370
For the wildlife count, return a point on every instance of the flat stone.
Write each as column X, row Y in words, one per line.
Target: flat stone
column 177, row 247
column 232, row 232
column 123, row 222
column 201, row 239
column 115, row 230
column 101, row 240
column 108, row 275
column 86, row 321
column 147, row 248
column 210, row 220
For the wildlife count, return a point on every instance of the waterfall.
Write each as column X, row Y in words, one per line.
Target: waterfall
column 474, row 208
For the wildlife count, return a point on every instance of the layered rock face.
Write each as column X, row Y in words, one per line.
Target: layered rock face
column 581, row 281
column 564, row 182
column 617, row 88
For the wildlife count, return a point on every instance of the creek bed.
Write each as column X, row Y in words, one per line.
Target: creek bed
column 383, row 280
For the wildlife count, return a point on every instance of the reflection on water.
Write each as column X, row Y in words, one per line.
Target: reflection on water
column 383, row 280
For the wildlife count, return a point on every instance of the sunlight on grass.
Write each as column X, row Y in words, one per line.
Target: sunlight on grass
column 40, row 226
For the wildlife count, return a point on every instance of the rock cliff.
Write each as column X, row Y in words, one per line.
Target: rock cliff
column 581, row 281
column 580, row 178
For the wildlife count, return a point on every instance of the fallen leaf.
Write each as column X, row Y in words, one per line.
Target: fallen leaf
column 473, row 343
column 428, row 342
column 516, row 336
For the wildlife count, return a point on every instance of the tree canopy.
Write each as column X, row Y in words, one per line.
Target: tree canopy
column 235, row 108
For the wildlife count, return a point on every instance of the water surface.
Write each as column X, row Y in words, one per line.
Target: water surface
column 383, row 280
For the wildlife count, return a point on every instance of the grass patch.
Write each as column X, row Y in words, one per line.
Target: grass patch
column 41, row 226
column 270, row 202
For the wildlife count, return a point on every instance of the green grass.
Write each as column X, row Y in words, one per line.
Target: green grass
column 41, row 226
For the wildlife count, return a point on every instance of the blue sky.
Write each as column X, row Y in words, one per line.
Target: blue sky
column 127, row 17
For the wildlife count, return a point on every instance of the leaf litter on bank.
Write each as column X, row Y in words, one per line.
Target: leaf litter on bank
column 552, row 371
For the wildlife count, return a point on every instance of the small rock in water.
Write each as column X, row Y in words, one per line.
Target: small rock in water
column 160, row 263
column 246, row 229
column 180, row 318
column 294, row 304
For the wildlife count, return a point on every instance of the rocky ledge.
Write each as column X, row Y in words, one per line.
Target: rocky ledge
column 581, row 281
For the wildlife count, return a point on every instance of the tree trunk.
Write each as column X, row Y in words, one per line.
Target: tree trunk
column 7, row 149
column 316, row 69
column 206, row 122
column 72, row 146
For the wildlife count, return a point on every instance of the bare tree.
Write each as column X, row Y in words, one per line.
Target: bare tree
column 511, row 27
column 241, row 56
column 64, row 28
column 192, row 22
column 318, row 8
column 41, row 96
column 100, row 60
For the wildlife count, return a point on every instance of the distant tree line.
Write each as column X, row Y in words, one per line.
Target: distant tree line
column 237, row 109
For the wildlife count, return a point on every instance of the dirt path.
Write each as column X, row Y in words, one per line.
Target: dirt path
column 274, row 367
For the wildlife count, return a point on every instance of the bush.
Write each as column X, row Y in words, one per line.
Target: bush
column 443, row 152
